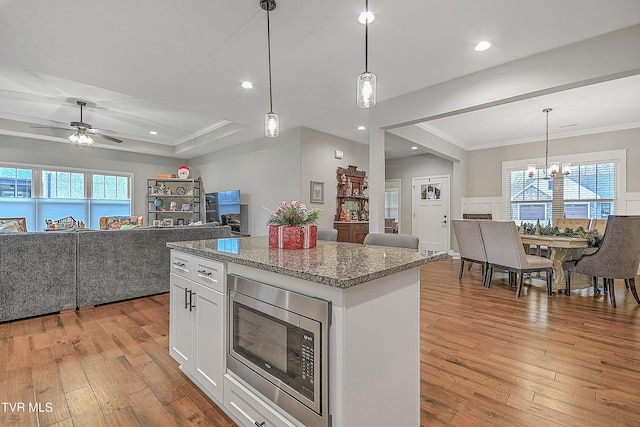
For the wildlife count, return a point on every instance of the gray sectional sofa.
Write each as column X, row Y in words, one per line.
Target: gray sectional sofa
column 46, row 272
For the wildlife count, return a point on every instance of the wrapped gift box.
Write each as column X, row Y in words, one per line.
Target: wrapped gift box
column 293, row 236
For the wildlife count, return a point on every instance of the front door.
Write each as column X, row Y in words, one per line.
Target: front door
column 430, row 206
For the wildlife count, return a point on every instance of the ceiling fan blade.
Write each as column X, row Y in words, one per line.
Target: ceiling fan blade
column 52, row 127
column 103, row 131
column 110, row 138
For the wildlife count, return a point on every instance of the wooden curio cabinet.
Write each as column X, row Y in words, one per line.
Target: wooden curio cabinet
column 352, row 205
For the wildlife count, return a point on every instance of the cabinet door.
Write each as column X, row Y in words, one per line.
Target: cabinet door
column 180, row 320
column 208, row 357
column 359, row 232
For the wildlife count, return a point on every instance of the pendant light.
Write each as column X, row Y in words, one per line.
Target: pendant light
column 271, row 119
column 366, row 92
column 553, row 168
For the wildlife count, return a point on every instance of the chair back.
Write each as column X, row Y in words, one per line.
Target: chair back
column 502, row 244
column 329, row 234
column 396, row 240
column 572, row 223
column 469, row 239
column 619, row 254
column 598, row 224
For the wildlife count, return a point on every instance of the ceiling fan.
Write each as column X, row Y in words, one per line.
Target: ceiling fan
column 84, row 131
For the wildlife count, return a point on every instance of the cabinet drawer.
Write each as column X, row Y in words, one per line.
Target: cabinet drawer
column 208, row 273
column 181, row 264
column 248, row 409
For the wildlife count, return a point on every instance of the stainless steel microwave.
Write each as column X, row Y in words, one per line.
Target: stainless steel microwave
column 278, row 343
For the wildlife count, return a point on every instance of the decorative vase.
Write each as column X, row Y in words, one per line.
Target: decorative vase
column 293, row 236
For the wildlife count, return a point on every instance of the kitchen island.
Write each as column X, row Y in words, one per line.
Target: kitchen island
column 373, row 340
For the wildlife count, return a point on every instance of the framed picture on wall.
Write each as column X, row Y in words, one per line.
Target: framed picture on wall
column 316, row 192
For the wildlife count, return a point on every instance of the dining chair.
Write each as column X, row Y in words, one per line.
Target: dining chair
column 598, row 224
column 572, row 223
column 329, row 234
column 618, row 256
column 396, row 240
column 470, row 245
column 504, row 250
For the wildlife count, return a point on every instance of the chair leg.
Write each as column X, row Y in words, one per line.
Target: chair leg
column 612, row 293
column 470, row 265
column 549, row 274
column 626, row 283
column 484, row 273
column 519, row 278
column 632, row 286
column 461, row 268
column 567, row 279
column 488, row 278
column 595, row 285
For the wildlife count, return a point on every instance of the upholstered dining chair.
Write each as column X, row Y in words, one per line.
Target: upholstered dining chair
column 572, row 223
column 617, row 258
column 504, row 250
column 470, row 245
column 397, row 240
column 330, row 234
column 598, row 224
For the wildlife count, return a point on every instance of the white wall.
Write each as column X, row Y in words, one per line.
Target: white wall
column 484, row 167
column 49, row 153
column 318, row 164
column 266, row 171
column 413, row 167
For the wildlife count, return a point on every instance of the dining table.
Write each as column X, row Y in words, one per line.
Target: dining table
column 562, row 248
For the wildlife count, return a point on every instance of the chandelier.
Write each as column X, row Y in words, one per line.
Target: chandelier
column 553, row 168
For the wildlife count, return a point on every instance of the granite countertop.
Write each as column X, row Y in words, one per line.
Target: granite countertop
column 335, row 264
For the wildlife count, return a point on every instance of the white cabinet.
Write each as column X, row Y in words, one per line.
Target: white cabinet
column 196, row 321
column 249, row 410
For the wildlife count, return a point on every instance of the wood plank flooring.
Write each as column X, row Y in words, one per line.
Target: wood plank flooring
column 488, row 359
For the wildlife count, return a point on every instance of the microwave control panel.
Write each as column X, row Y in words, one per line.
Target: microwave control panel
column 307, row 357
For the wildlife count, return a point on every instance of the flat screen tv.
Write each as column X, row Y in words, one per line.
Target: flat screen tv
column 224, row 207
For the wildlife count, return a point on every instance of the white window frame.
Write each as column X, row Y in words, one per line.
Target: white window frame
column 619, row 157
column 37, row 190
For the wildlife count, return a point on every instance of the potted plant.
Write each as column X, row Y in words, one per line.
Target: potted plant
column 292, row 226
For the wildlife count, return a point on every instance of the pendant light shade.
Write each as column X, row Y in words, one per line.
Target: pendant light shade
column 366, row 83
column 271, row 125
column 271, row 119
column 366, row 96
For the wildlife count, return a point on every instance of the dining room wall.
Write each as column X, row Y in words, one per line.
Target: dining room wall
column 484, row 167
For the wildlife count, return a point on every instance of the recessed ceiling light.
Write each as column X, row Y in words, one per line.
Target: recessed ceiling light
column 483, row 45
column 153, row 132
column 361, row 128
column 414, row 148
column 366, row 16
column 247, row 85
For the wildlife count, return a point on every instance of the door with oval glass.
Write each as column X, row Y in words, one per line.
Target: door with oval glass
column 430, row 208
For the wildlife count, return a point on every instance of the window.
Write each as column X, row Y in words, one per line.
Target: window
column 530, row 197
column 591, row 190
column 85, row 195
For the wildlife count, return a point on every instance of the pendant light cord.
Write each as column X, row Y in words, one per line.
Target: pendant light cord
column 269, row 50
column 366, row 36
column 546, row 150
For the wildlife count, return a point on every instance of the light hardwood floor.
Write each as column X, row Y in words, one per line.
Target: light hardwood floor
column 488, row 359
